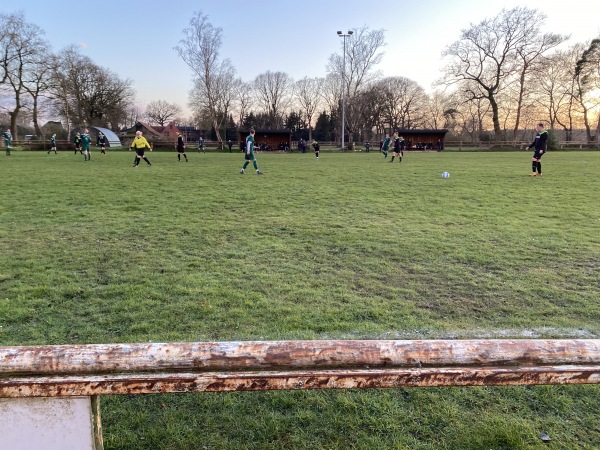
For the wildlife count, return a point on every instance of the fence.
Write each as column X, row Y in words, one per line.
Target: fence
column 502, row 145
column 87, row 371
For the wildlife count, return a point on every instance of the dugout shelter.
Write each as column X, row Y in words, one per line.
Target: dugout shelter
column 268, row 140
column 422, row 139
column 113, row 139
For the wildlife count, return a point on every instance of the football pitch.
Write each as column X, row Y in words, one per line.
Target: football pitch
column 346, row 247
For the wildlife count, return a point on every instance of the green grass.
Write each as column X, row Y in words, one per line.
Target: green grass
column 346, row 247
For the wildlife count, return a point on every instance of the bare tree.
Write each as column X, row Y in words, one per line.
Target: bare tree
column 160, row 111
column 487, row 55
column 363, row 53
column 553, row 88
column 402, row 102
column 244, row 100
column 199, row 49
column 21, row 45
column 435, row 109
column 308, row 93
column 274, row 93
column 528, row 52
column 332, row 91
column 39, row 84
column 86, row 94
column 587, row 78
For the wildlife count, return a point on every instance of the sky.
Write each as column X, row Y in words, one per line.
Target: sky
column 135, row 38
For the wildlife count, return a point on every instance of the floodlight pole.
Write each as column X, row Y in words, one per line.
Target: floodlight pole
column 344, row 36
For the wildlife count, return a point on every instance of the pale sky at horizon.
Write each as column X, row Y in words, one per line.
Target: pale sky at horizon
column 135, row 38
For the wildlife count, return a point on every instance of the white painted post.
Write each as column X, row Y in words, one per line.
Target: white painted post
column 49, row 423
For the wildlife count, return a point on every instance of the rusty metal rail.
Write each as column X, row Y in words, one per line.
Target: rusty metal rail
column 88, row 370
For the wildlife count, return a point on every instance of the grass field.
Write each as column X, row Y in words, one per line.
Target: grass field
column 346, row 247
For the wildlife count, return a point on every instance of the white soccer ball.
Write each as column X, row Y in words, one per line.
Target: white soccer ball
column 445, row 174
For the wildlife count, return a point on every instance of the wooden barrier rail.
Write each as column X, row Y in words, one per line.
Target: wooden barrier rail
column 88, row 370
column 73, row 376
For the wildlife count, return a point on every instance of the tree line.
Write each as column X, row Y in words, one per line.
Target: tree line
column 501, row 76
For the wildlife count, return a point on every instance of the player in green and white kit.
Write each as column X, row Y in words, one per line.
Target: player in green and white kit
column 249, row 154
column 52, row 144
column 85, row 145
column 386, row 145
column 7, row 141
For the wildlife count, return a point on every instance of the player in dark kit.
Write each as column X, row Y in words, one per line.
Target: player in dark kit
column 101, row 141
column 140, row 144
column 386, row 145
column 77, row 142
column 397, row 148
column 181, row 147
column 52, row 144
column 316, row 147
column 249, row 154
column 539, row 144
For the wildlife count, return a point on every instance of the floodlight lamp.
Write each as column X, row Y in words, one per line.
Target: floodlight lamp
column 350, row 32
column 339, row 32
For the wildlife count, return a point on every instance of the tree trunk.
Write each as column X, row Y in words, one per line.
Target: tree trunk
column 216, row 127
column 495, row 118
column 36, row 125
column 14, row 115
column 519, row 103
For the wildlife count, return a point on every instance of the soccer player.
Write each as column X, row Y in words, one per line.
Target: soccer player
column 140, row 144
column 249, row 154
column 7, row 141
column 317, row 148
column 77, row 142
column 539, row 144
column 181, row 147
column 385, row 146
column 85, row 145
column 201, row 145
column 52, row 144
column 397, row 148
column 101, row 141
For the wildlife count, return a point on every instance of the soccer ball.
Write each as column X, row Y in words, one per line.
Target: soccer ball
column 445, row 174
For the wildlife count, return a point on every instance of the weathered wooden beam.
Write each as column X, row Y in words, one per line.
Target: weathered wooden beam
column 149, row 383
column 283, row 355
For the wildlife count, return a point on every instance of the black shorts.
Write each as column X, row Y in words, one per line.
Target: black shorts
column 140, row 151
column 538, row 155
column 180, row 150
